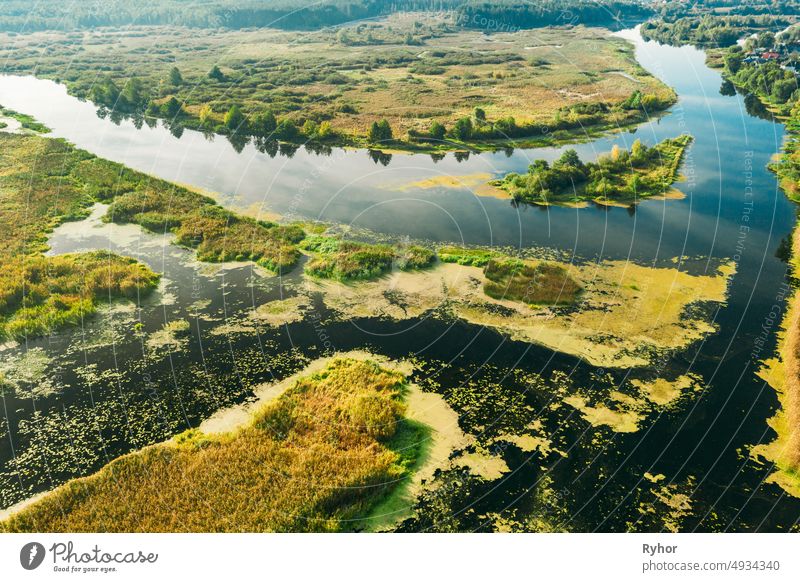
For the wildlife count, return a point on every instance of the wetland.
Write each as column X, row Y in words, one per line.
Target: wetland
column 542, row 368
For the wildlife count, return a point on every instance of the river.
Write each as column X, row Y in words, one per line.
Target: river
column 103, row 398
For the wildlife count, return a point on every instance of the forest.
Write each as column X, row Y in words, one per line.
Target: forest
column 21, row 16
column 711, row 30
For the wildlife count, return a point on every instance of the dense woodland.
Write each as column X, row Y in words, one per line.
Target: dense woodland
column 711, row 30
column 23, row 16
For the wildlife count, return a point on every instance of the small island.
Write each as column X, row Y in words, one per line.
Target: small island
column 621, row 177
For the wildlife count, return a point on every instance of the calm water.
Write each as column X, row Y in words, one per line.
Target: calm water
column 732, row 210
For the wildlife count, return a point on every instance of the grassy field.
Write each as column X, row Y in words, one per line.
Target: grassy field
column 315, row 459
column 332, row 85
column 44, row 182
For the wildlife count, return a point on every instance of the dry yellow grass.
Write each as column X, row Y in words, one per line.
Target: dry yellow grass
column 311, row 460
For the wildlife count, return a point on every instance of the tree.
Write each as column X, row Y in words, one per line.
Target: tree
column 171, row 107
column 310, row 128
column 343, row 38
column 570, row 158
column 325, row 130
column 380, row 131
column 132, row 93
column 234, row 118
column 638, row 151
column 480, row 115
column 463, row 129
column 265, row 123
column 206, row 115
column 733, row 61
column 216, row 74
column 782, row 89
column 765, row 39
column 437, row 131
column 175, row 77
column 286, row 130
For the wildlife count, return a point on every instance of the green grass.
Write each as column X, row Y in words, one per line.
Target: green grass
column 333, row 258
column 534, row 284
column 39, row 189
column 472, row 257
column 39, row 294
column 26, row 121
column 217, row 234
column 318, row 458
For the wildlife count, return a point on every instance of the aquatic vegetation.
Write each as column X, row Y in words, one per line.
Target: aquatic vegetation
column 622, row 176
column 620, row 418
column 41, row 294
column 663, row 392
column 25, row 121
column 39, row 189
column 474, row 257
column 532, row 283
column 171, row 336
column 315, row 458
column 671, row 504
column 597, row 328
column 27, row 374
column 218, row 235
column 344, row 260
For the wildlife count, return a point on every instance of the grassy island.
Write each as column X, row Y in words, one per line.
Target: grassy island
column 620, row 177
column 25, row 121
column 334, row 258
column 316, row 458
column 533, row 283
